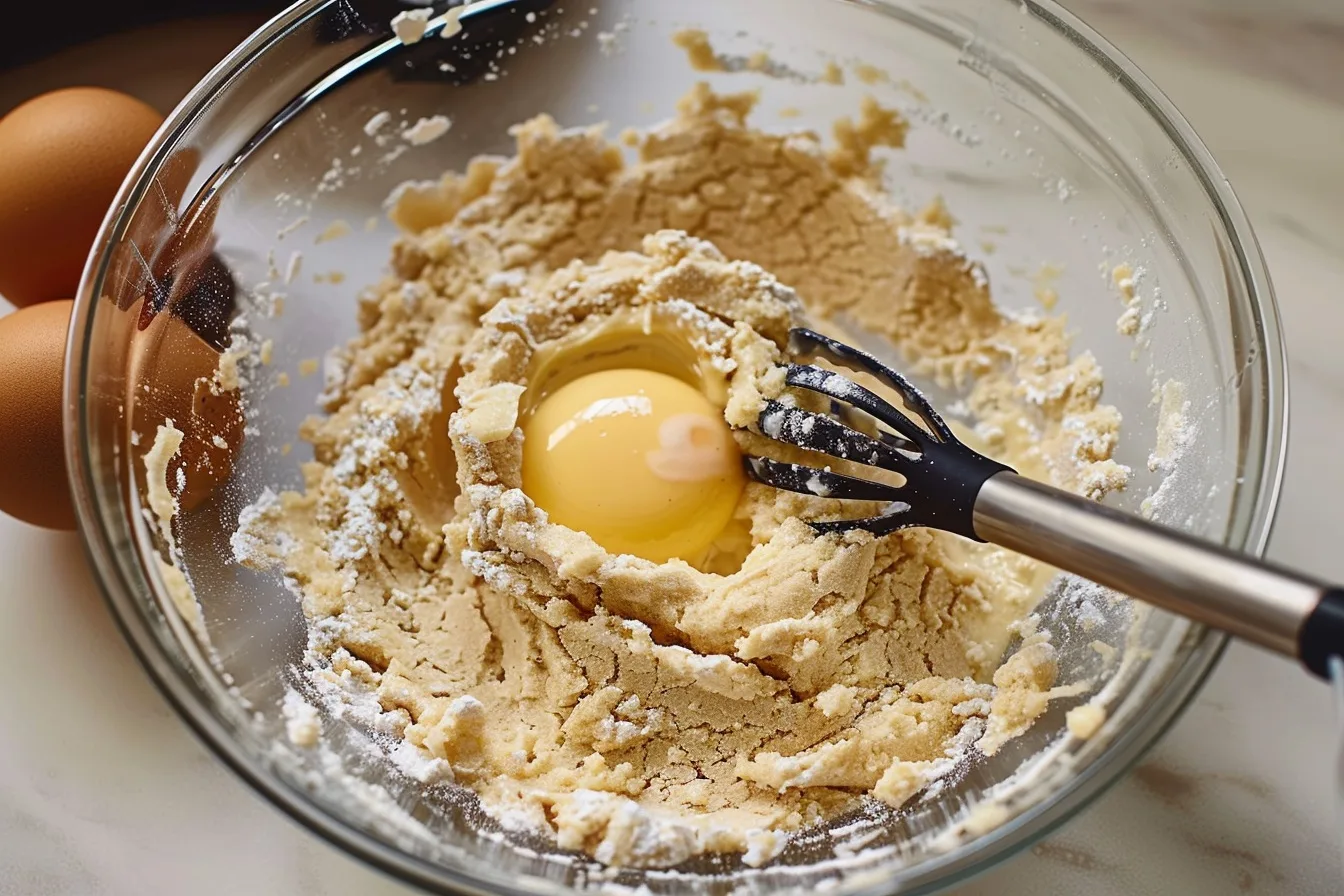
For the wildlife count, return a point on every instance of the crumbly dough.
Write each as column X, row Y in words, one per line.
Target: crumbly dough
column 644, row 713
column 699, row 51
column 158, row 485
column 1084, row 721
column 162, row 503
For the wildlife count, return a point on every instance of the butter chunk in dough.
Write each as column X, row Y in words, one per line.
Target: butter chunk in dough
column 641, row 712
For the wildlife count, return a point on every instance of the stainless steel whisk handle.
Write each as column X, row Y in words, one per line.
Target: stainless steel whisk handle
column 1272, row 607
column 951, row 487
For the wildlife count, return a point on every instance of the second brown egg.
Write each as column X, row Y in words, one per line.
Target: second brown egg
column 33, row 483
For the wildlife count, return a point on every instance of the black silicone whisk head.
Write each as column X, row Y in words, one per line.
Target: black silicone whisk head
column 942, row 475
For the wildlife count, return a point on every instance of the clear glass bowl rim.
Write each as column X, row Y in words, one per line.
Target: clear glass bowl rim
column 122, row 587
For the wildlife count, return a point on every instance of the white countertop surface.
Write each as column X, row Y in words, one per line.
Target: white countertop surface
column 104, row 791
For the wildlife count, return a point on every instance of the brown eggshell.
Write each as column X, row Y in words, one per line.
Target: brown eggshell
column 173, row 377
column 63, row 156
column 33, row 483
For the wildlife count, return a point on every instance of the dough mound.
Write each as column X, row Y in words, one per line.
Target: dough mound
column 640, row 712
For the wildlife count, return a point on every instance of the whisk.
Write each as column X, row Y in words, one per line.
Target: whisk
column 949, row 486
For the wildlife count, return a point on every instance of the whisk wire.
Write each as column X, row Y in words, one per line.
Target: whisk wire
column 942, row 476
column 808, row 344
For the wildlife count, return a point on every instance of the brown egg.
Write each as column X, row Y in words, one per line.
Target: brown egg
column 174, row 376
column 33, row 484
column 65, row 154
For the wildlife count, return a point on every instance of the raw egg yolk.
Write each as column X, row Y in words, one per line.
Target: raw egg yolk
column 639, row 460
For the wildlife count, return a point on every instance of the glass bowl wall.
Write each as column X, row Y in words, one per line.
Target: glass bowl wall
column 1047, row 145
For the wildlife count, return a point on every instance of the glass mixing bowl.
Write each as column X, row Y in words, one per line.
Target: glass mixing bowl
column 1049, row 147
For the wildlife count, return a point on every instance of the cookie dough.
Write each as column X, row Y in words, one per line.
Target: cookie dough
column 644, row 713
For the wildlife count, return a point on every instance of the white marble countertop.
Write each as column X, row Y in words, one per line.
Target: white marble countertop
column 104, row 791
